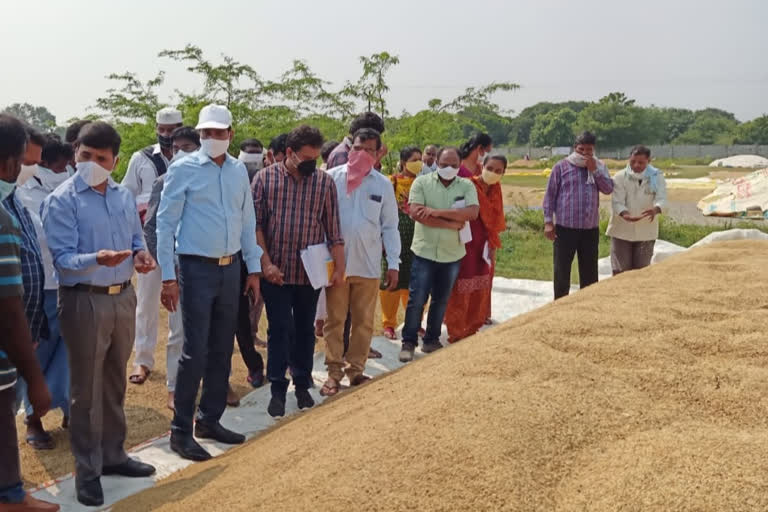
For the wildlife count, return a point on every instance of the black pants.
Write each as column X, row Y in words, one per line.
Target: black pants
column 251, row 357
column 570, row 242
column 11, row 489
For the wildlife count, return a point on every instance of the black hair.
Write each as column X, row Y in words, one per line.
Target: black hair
column 251, row 142
column 100, row 135
column 367, row 120
column 54, row 150
column 186, row 132
column 500, row 158
column 448, row 148
column 278, row 143
column 327, row 149
column 477, row 140
column 304, row 135
column 640, row 150
column 407, row 152
column 34, row 136
column 586, row 138
column 13, row 138
column 366, row 134
column 73, row 131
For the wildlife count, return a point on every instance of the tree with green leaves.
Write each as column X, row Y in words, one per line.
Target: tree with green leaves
column 39, row 118
column 371, row 87
column 753, row 132
column 555, row 128
column 615, row 120
column 710, row 126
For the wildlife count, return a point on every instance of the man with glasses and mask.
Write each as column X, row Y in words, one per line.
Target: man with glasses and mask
column 252, row 155
column 207, row 214
column 296, row 207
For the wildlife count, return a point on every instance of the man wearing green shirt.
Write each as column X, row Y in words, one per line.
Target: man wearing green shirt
column 440, row 203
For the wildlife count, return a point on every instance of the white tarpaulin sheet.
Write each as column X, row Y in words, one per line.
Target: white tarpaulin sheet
column 511, row 297
column 740, row 197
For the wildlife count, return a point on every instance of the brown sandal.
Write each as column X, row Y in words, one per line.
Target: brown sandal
column 140, row 375
column 360, row 379
column 330, row 388
column 374, row 354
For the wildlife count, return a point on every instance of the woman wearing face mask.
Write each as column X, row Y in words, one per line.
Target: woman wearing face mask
column 639, row 196
column 470, row 303
column 410, row 166
column 472, row 154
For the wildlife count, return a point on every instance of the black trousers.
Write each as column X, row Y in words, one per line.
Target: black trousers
column 575, row 242
column 244, row 334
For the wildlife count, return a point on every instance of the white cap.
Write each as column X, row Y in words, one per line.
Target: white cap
column 214, row 116
column 168, row 115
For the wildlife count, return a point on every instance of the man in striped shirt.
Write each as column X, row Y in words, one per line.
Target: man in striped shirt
column 16, row 344
column 296, row 207
column 572, row 212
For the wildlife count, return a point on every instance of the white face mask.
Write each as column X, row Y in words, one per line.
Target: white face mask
column 27, row 171
column 70, row 170
column 491, row 177
column 179, row 155
column 214, row 147
column 51, row 179
column 92, row 173
column 251, row 158
column 447, row 173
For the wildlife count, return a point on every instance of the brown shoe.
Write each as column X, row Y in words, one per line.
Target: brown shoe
column 359, row 379
column 30, row 504
column 232, row 399
column 171, row 401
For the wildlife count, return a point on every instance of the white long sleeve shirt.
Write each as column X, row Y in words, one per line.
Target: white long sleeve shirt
column 142, row 174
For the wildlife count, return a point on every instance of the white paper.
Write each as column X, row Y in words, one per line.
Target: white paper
column 465, row 233
column 487, row 254
column 315, row 259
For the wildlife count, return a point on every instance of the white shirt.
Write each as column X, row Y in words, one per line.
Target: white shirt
column 368, row 217
column 142, row 174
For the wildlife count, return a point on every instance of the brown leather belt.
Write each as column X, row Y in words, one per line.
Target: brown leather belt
column 114, row 289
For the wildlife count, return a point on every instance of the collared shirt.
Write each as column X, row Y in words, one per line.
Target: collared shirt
column 440, row 244
column 31, row 268
column 368, row 218
column 340, row 154
column 79, row 222
column 141, row 174
column 570, row 200
column 294, row 213
column 209, row 211
column 425, row 169
column 10, row 282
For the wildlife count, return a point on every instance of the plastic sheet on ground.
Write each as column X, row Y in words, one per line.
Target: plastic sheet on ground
column 754, row 161
column 742, row 197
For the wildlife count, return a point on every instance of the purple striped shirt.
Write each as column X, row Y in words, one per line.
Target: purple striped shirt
column 570, row 200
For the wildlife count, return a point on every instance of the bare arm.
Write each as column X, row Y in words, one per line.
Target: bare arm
column 416, row 212
column 458, row 214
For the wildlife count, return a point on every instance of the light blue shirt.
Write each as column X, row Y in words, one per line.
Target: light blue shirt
column 208, row 210
column 79, row 222
column 368, row 219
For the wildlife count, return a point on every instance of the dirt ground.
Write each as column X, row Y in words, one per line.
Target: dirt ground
column 647, row 391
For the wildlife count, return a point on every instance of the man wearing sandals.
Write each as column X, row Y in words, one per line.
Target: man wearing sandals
column 368, row 214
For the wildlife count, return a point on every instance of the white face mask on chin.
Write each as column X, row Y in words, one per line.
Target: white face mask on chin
column 214, row 147
column 92, row 173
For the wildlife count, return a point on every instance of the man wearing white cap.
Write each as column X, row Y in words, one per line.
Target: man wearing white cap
column 144, row 168
column 206, row 207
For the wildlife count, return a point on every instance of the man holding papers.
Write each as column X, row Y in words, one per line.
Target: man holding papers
column 296, row 208
column 441, row 204
column 368, row 212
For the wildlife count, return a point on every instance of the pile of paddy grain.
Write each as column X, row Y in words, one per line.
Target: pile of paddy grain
column 648, row 391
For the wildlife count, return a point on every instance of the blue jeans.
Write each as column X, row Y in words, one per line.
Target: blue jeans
column 428, row 278
column 210, row 296
column 291, row 334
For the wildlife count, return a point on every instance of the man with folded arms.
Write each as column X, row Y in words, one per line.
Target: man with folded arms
column 94, row 235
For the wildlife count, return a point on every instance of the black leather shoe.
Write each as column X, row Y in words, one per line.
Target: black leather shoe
column 256, row 379
column 89, row 492
column 131, row 467
column 188, row 448
column 304, row 399
column 218, row 433
column 276, row 406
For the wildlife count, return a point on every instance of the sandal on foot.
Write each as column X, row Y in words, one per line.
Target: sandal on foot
column 374, row 354
column 360, row 379
column 41, row 440
column 140, row 375
column 389, row 333
column 330, row 388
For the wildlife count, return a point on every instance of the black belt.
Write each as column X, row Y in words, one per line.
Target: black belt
column 221, row 262
column 114, row 289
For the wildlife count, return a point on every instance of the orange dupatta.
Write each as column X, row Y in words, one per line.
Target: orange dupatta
column 491, row 211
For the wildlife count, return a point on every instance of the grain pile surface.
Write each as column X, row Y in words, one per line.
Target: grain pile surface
column 648, row 391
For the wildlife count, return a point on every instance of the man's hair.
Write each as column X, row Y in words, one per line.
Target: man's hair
column 407, row 152
column 278, row 143
column 477, row 140
column 73, row 131
column 430, row 146
column 100, row 135
column 448, row 148
column 304, row 135
column 500, row 158
column 327, row 149
column 366, row 134
column 54, row 150
column 585, row 138
column 34, row 136
column 251, row 142
column 640, row 150
column 367, row 120
column 186, row 132
column 13, row 138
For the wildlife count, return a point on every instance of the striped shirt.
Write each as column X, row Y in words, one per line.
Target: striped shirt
column 32, row 271
column 10, row 282
column 570, row 201
column 340, row 154
column 294, row 214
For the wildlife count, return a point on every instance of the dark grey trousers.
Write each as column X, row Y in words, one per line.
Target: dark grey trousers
column 627, row 255
column 98, row 331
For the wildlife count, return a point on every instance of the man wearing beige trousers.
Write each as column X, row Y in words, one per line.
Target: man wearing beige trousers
column 368, row 213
